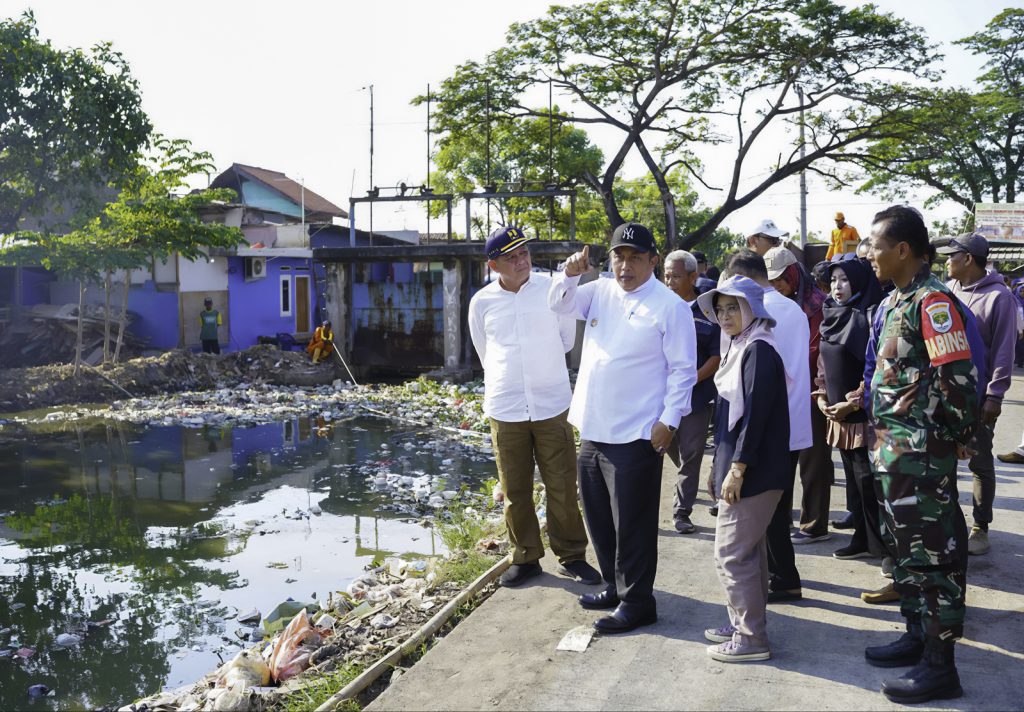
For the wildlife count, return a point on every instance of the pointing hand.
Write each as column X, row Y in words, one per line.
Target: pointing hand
column 579, row 263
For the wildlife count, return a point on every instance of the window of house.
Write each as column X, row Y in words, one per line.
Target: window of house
column 286, row 295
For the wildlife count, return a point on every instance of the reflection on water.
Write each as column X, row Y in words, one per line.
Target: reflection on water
column 146, row 542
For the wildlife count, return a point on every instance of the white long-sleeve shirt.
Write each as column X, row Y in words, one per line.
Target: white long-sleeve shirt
column 522, row 346
column 639, row 357
column 793, row 337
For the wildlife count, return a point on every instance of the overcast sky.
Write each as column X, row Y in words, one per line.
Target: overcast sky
column 280, row 85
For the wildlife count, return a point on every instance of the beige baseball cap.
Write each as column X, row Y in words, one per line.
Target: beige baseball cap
column 777, row 260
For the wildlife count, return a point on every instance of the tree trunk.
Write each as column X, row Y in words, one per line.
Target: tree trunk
column 668, row 201
column 106, row 317
column 123, row 316
column 78, row 334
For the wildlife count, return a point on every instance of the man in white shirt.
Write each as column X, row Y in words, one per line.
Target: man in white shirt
column 636, row 375
column 785, row 584
column 522, row 347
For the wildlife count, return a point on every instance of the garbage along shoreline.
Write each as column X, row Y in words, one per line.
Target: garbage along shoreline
column 379, row 619
column 380, row 611
column 35, row 387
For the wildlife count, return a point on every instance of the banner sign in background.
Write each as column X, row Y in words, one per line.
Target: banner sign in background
column 1000, row 221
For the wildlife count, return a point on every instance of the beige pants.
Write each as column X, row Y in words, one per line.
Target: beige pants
column 741, row 559
column 550, row 444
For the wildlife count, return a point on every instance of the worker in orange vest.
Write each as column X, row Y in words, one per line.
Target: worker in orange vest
column 844, row 238
column 322, row 342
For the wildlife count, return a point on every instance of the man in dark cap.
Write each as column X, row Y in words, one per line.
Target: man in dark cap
column 522, row 346
column 992, row 303
column 637, row 372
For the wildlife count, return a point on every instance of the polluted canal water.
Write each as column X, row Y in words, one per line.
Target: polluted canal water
column 129, row 553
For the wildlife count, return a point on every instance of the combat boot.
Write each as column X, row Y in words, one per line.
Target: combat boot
column 934, row 678
column 904, row 651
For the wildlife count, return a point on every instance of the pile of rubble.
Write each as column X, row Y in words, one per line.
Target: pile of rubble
column 171, row 372
column 47, row 333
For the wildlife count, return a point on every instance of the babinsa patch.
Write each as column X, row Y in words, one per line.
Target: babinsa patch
column 939, row 316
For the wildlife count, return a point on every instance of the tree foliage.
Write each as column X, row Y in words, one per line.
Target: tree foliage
column 150, row 219
column 965, row 144
column 672, row 77
column 521, row 155
column 71, row 122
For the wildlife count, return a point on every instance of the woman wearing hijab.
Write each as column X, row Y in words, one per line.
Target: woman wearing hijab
column 845, row 329
column 751, row 466
column 791, row 279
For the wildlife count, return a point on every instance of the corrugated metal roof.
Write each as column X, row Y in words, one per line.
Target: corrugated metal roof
column 277, row 181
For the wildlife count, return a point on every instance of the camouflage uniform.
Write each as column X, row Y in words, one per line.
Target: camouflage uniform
column 923, row 403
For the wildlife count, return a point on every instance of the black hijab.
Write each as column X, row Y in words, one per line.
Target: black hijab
column 845, row 330
column 847, row 324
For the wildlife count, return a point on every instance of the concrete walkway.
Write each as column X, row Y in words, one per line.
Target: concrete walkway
column 503, row 655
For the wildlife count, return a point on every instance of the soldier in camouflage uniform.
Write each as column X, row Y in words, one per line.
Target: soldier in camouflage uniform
column 923, row 402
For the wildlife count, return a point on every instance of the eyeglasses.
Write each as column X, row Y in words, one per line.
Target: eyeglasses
column 727, row 310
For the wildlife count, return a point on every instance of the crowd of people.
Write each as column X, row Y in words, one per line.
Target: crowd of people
column 868, row 353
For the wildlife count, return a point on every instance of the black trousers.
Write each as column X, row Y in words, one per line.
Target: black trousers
column 211, row 346
column 783, row 575
column 620, row 485
column 860, row 494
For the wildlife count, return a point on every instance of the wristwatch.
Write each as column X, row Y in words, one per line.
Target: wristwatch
column 671, row 428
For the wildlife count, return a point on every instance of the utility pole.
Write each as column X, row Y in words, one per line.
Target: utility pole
column 371, row 161
column 803, row 175
column 426, row 182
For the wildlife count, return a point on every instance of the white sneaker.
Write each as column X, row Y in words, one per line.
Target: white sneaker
column 730, row 652
column 977, row 542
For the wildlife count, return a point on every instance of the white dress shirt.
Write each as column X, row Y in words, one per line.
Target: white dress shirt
column 793, row 337
column 522, row 346
column 639, row 357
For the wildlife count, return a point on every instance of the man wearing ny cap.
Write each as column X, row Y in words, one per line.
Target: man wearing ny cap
column 844, row 238
column 522, row 347
column 636, row 375
column 988, row 298
column 765, row 236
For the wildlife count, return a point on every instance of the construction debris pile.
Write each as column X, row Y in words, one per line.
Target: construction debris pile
column 47, row 333
column 170, row 373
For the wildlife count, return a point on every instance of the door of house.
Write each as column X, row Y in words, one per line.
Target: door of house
column 301, row 304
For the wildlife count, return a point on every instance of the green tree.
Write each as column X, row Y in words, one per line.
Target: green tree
column 71, row 122
column 671, row 77
column 965, row 144
column 148, row 220
column 521, row 155
column 640, row 200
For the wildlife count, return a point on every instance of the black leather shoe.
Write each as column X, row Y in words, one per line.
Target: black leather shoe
column 518, row 574
column 783, row 595
column 622, row 622
column 599, row 601
column 843, row 523
column 906, row 650
column 582, row 572
column 934, row 678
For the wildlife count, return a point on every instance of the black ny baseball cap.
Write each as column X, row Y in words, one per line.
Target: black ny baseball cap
column 633, row 235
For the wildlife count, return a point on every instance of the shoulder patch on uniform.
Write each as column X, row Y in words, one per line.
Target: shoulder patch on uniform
column 939, row 316
column 943, row 330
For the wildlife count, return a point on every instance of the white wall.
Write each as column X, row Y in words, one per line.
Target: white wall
column 203, row 275
column 292, row 236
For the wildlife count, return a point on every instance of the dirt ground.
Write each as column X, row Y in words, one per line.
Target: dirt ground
column 54, row 385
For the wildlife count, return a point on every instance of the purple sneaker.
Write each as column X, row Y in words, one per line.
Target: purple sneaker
column 720, row 635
